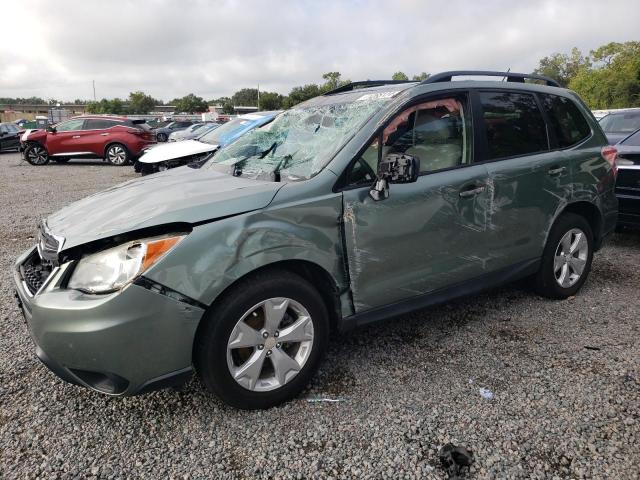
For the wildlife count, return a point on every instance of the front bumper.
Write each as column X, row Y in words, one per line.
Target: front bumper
column 122, row 343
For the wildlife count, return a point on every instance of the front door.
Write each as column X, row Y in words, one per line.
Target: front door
column 66, row 138
column 428, row 234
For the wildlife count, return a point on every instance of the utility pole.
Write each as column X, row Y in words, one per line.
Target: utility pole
column 94, row 90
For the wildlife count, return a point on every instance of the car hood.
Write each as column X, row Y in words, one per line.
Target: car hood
column 173, row 150
column 179, row 195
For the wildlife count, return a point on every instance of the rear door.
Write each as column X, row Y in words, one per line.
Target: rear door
column 428, row 234
column 529, row 181
column 66, row 137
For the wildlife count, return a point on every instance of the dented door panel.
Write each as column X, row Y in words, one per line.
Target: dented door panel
column 527, row 194
column 423, row 237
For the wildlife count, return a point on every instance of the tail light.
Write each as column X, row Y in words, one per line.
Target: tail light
column 610, row 154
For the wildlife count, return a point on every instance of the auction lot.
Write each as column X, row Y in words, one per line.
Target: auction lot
column 565, row 379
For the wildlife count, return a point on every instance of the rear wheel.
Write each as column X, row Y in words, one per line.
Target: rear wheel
column 567, row 257
column 161, row 137
column 263, row 342
column 117, row 154
column 36, row 154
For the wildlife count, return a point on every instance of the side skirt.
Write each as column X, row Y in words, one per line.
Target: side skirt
column 443, row 295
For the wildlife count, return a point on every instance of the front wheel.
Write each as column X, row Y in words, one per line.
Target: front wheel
column 117, row 155
column 262, row 343
column 567, row 257
column 36, row 154
column 161, row 137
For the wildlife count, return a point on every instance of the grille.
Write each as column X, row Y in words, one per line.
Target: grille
column 35, row 272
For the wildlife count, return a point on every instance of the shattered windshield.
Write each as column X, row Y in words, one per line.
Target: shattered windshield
column 300, row 141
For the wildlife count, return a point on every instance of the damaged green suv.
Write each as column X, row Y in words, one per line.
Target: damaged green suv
column 370, row 201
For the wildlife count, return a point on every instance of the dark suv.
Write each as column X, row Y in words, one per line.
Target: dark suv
column 117, row 140
column 367, row 202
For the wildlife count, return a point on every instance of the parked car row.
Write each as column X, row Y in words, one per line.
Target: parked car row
column 176, row 154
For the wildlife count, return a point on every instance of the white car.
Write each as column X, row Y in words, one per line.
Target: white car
column 175, row 154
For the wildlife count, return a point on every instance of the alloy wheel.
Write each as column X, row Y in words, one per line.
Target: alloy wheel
column 116, row 155
column 270, row 344
column 37, row 155
column 570, row 258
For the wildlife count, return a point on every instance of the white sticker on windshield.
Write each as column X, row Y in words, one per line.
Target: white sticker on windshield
column 376, row 96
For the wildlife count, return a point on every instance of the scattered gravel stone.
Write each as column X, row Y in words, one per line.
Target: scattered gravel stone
column 559, row 409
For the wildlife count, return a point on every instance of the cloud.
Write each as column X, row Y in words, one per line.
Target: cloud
column 213, row 48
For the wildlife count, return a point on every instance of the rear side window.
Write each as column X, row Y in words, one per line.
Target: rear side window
column 514, row 124
column 565, row 120
column 100, row 124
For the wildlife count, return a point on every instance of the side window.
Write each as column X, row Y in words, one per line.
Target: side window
column 565, row 120
column 514, row 124
column 75, row 124
column 99, row 124
column 437, row 132
column 3, row 129
column 12, row 128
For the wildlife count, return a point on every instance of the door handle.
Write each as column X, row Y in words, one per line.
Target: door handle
column 76, row 136
column 104, row 134
column 556, row 170
column 472, row 191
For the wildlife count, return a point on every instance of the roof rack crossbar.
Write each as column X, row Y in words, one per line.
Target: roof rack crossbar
column 510, row 76
column 366, row 83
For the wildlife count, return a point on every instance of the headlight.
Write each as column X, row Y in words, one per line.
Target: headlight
column 112, row 269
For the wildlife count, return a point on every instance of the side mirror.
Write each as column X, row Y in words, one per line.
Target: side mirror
column 51, row 129
column 394, row 168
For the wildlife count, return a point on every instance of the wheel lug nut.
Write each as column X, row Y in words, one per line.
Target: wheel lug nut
column 265, row 334
column 278, row 345
column 277, row 334
column 260, row 347
column 268, row 352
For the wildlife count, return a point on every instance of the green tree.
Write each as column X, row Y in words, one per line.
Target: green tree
column 614, row 79
column 271, row 101
column 399, row 76
column 246, row 97
column 421, row 77
column 563, row 67
column 139, row 102
column 190, row 104
column 300, row 94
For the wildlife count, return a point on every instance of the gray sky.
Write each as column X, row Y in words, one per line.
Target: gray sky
column 55, row 48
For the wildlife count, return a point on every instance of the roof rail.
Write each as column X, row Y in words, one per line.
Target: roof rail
column 367, row 83
column 510, row 76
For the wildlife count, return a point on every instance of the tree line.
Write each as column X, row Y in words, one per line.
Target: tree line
column 608, row 77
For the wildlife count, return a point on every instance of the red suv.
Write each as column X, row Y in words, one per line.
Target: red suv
column 117, row 140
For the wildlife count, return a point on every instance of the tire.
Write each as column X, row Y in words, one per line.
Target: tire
column 117, row 154
column 61, row 159
column 36, row 154
column 567, row 257
column 217, row 361
column 162, row 137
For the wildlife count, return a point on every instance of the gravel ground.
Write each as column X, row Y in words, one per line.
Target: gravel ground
column 559, row 409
